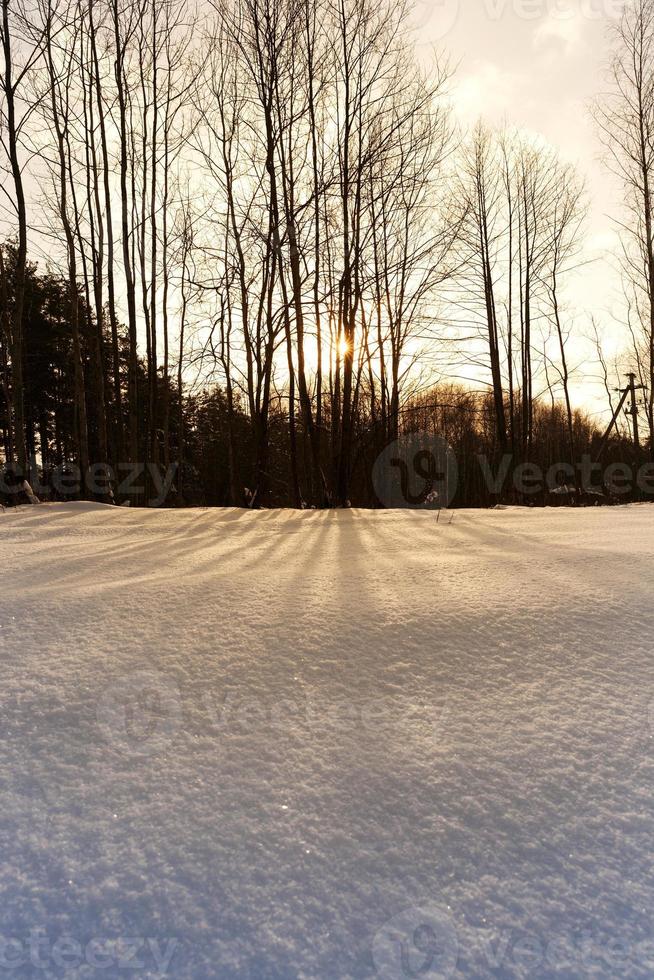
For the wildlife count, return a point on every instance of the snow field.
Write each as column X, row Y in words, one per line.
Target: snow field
column 336, row 744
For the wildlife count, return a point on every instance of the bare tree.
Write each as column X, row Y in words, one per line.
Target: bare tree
column 60, row 64
column 22, row 49
column 567, row 216
column 625, row 115
column 124, row 25
column 485, row 199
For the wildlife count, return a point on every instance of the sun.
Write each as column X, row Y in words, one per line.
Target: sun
column 343, row 347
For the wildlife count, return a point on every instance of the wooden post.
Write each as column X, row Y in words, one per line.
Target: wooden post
column 633, row 409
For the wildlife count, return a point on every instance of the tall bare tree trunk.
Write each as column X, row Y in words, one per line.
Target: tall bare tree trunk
column 17, row 354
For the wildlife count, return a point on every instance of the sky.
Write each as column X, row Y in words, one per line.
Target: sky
column 537, row 65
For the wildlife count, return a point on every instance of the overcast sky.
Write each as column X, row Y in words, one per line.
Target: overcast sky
column 537, row 65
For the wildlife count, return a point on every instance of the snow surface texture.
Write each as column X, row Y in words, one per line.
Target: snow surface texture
column 330, row 745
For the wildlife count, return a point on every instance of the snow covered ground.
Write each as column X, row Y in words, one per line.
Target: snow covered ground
column 330, row 745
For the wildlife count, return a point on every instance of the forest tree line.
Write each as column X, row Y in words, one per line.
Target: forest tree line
column 267, row 243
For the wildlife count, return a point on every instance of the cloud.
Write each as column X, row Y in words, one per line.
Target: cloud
column 561, row 28
column 488, row 91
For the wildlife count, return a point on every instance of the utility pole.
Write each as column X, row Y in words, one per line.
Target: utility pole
column 633, row 408
column 630, row 390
